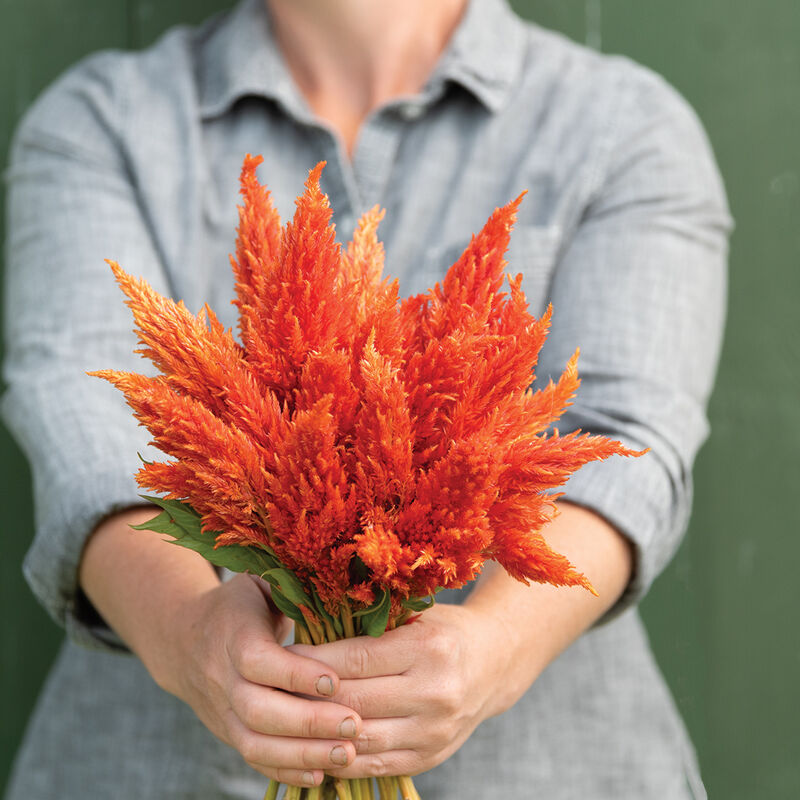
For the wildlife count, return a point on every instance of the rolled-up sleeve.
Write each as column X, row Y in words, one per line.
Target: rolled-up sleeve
column 641, row 289
column 72, row 203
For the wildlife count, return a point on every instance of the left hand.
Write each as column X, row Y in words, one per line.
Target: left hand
column 420, row 689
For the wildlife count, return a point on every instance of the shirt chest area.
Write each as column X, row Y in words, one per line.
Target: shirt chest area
column 439, row 176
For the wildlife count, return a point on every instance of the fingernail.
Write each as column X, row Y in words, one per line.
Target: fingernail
column 339, row 755
column 308, row 777
column 324, row 686
column 347, row 728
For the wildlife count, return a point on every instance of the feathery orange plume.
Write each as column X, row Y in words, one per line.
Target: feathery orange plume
column 378, row 449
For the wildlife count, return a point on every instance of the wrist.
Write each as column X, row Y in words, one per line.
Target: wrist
column 511, row 664
column 168, row 646
column 144, row 589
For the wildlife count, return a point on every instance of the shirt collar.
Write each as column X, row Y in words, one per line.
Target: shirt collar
column 485, row 53
column 238, row 57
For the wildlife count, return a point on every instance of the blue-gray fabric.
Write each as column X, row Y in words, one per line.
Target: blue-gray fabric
column 135, row 157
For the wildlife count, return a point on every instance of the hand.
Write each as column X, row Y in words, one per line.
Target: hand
column 217, row 647
column 255, row 695
column 420, row 689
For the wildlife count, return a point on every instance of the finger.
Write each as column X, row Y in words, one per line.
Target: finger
column 371, row 698
column 269, row 664
column 394, row 733
column 294, row 777
column 277, row 713
column 393, row 762
column 283, row 752
column 364, row 656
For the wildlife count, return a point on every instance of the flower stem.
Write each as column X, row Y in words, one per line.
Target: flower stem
column 366, row 788
column 385, row 788
column 401, row 620
column 343, row 789
column 329, row 631
column 314, row 793
column 315, row 629
column 301, row 634
column 407, row 789
column 347, row 621
column 272, row 790
column 328, row 789
column 262, row 515
column 293, row 793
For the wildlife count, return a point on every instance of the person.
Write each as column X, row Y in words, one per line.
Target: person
column 175, row 683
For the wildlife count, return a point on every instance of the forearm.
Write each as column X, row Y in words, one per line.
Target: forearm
column 217, row 647
column 538, row 622
column 138, row 583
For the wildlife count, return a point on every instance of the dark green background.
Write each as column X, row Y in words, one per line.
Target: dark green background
column 723, row 617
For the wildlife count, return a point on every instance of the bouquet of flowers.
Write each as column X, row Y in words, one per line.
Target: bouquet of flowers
column 356, row 451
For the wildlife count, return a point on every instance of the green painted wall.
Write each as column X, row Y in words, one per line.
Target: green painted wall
column 723, row 617
column 38, row 40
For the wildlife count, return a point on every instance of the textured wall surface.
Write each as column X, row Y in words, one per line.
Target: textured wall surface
column 723, row 618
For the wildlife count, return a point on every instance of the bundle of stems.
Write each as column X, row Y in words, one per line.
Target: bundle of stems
column 348, row 789
column 316, row 631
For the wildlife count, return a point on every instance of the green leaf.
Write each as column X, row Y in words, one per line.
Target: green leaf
column 162, row 523
column 419, row 603
column 375, row 618
column 319, row 607
column 290, row 586
column 180, row 521
column 183, row 514
column 268, row 556
column 362, row 611
column 285, row 606
column 235, row 557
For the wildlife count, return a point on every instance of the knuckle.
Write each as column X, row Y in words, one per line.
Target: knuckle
column 440, row 737
column 246, row 708
column 291, row 777
column 376, row 766
column 354, row 700
column 246, row 659
column 409, row 763
column 284, row 775
column 357, row 659
column 295, row 677
column 313, row 758
column 249, row 750
column 310, row 758
column 307, row 724
column 234, row 651
column 450, row 698
column 367, row 742
column 440, row 646
column 237, row 739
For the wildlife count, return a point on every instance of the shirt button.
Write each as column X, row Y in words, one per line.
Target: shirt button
column 411, row 110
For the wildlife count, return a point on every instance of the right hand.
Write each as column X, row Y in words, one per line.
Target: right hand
column 228, row 665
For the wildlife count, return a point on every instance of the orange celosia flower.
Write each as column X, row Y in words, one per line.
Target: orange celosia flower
column 370, row 444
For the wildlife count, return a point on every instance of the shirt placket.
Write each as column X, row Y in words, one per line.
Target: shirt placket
column 375, row 154
column 356, row 185
column 377, row 146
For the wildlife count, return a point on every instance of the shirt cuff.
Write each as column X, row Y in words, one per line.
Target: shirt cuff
column 51, row 564
column 645, row 503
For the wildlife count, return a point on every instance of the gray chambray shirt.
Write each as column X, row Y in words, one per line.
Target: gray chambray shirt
column 136, row 156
